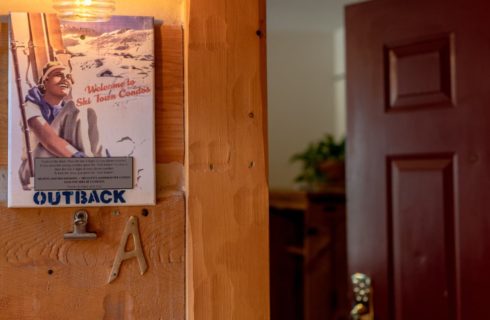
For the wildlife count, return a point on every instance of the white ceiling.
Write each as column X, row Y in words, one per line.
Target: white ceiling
column 305, row 15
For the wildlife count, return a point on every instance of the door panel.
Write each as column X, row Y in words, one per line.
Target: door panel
column 419, row 73
column 43, row 276
column 418, row 155
column 421, row 236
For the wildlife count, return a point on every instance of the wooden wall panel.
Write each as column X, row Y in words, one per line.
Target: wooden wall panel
column 43, row 276
column 4, row 95
column 227, row 162
column 169, row 79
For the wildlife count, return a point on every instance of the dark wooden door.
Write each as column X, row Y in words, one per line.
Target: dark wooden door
column 418, row 76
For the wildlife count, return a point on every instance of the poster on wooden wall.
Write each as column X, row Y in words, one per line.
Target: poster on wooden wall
column 81, row 112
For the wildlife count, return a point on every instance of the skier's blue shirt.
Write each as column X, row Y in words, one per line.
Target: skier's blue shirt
column 34, row 95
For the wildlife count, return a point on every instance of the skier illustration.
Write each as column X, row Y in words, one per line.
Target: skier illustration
column 57, row 128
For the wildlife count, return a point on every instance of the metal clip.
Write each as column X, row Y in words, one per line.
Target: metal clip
column 80, row 219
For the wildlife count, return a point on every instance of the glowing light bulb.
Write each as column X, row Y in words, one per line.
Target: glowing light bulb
column 84, row 10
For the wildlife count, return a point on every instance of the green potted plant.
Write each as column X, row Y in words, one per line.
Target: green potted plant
column 323, row 164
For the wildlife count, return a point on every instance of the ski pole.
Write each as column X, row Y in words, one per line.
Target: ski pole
column 15, row 60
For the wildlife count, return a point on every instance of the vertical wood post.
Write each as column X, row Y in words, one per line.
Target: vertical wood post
column 227, row 225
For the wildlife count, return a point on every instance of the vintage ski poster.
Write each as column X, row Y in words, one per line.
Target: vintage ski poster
column 81, row 112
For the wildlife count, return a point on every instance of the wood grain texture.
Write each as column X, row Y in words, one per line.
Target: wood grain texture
column 262, row 33
column 31, row 244
column 227, row 223
column 169, row 98
column 4, row 46
column 43, row 276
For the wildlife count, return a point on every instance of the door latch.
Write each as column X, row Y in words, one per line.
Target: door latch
column 363, row 302
column 80, row 220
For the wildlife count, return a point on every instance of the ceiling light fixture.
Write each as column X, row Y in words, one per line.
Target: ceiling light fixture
column 84, row 10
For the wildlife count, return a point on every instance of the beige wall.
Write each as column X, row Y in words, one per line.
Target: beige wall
column 305, row 80
column 170, row 11
column 301, row 97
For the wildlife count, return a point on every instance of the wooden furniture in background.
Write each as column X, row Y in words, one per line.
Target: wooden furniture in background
column 308, row 256
column 286, row 254
column 44, row 276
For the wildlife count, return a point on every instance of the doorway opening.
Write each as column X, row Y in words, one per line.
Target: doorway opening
column 306, row 102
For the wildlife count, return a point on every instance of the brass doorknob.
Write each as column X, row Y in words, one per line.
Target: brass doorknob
column 358, row 311
column 363, row 302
